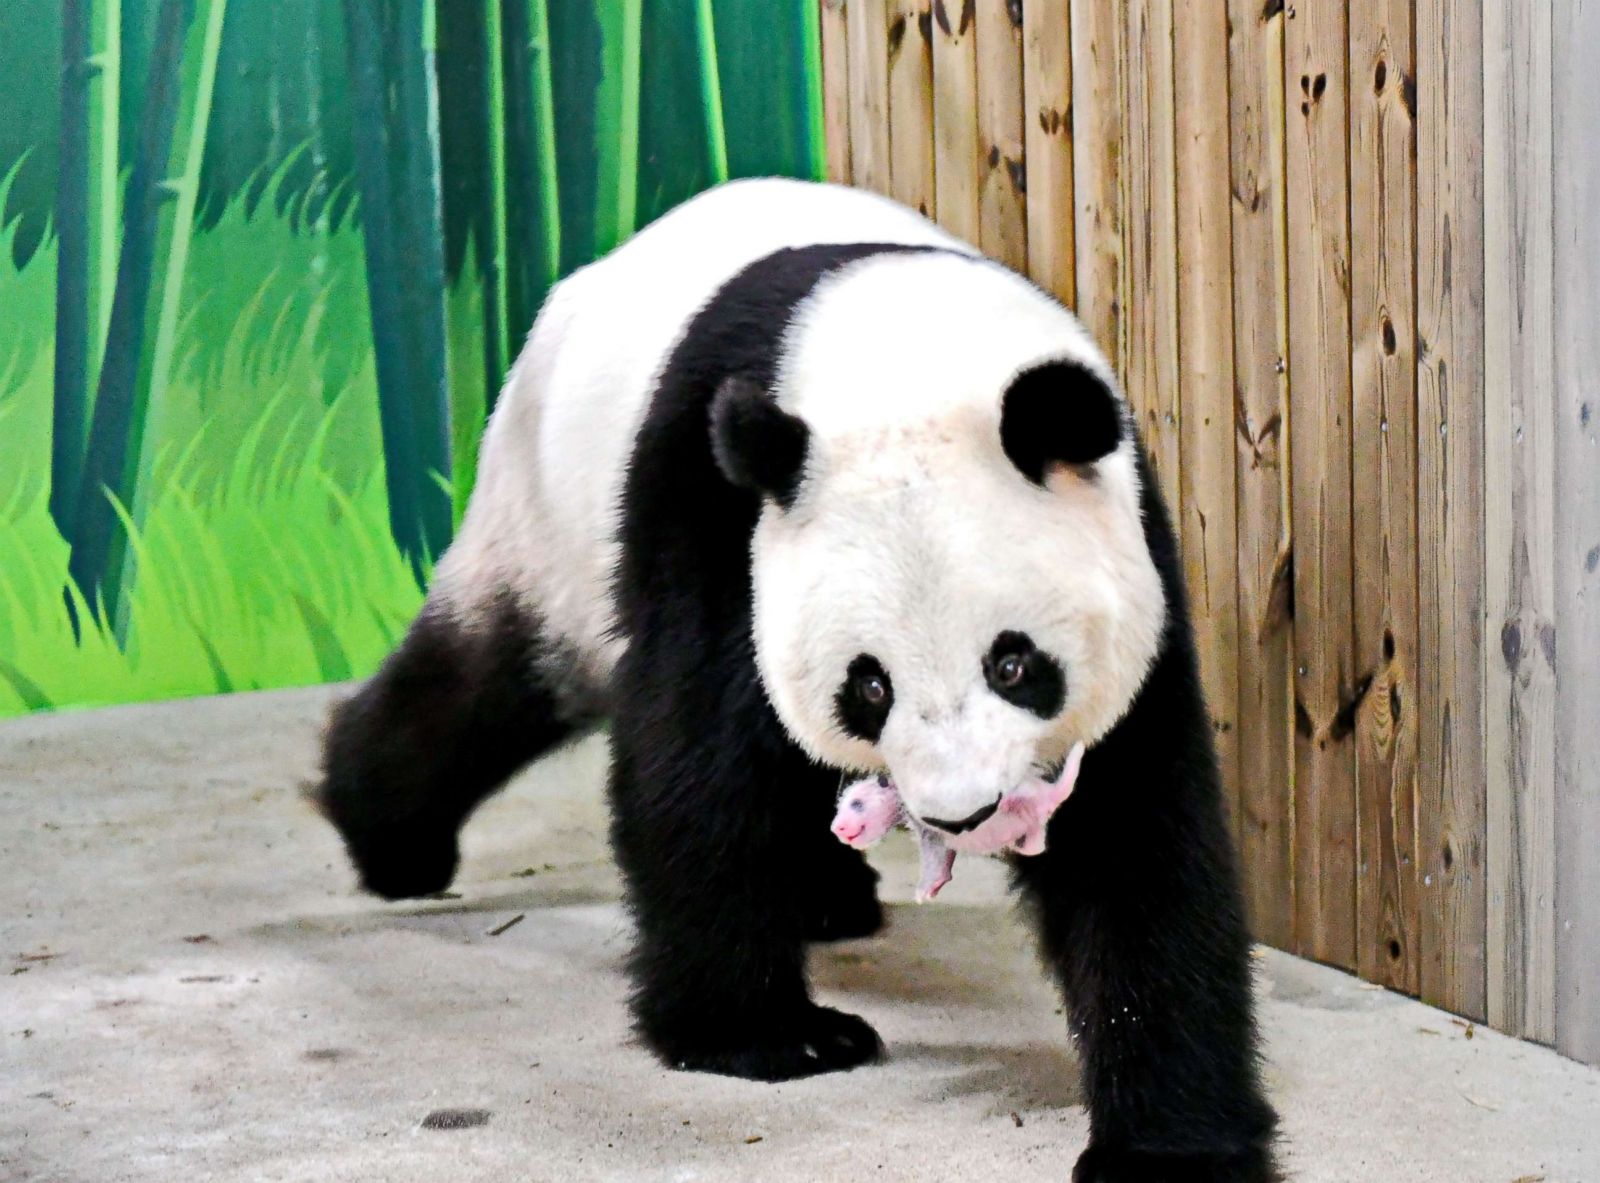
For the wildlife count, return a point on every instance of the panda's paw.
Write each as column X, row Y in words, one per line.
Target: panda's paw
column 816, row 1040
column 403, row 861
column 1103, row 1163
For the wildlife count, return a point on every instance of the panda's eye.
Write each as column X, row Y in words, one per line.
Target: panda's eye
column 864, row 698
column 1025, row 675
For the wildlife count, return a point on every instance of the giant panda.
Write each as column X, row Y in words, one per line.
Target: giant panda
column 794, row 484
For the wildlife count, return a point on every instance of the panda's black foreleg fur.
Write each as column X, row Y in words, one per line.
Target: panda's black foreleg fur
column 450, row 716
column 841, row 902
column 1139, row 917
column 710, row 810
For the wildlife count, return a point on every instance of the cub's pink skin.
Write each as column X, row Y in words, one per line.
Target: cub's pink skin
column 937, row 862
column 868, row 809
column 1019, row 824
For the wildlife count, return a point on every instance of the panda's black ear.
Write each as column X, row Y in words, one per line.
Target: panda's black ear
column 757, row 444
column 1058, row 412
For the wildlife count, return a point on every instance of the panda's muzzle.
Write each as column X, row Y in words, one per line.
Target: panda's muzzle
column 971, row 822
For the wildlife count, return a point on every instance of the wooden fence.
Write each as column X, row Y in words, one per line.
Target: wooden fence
column 1312, row 234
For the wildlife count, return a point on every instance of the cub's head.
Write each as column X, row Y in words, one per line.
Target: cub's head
column 950, row 574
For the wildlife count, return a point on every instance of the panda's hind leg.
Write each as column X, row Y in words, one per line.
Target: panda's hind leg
column 464, row 702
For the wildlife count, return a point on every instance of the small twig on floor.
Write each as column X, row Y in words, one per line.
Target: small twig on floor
column 1471, row 1100
column 509, row 924
column 753, row 1139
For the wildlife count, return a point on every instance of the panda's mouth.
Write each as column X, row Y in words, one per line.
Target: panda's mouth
column 971, row 822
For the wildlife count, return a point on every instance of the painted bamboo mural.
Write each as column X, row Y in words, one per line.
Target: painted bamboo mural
column 264, row 268
column 112, row 460
column 397, row 167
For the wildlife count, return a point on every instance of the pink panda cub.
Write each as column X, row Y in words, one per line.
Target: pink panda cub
column 870, row 808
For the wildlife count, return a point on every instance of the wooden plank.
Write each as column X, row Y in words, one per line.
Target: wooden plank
column 867, row 22
column 836, row 88
column 1261, row 463
column 1452, row 906
column 1100, row 200
column 1519, row 461
column 955, row 116
column 1205, row 344
column 1152, row 238
column 1319, row 421
column 1576, row 103
column 1002, row 201
column 911, row 104
column 1047, row 119
column 1384, row 469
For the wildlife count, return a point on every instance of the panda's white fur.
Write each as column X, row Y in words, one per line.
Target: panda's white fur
column 914, row 538
column 543, row 516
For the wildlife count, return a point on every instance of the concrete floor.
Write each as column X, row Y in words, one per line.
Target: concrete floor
column 195, row 991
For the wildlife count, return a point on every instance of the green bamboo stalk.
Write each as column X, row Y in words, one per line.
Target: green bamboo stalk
column 185, row 192
column 111, row 460
column 809, row 14
column 499, row 359
column 415, row 55
column 630, row 17
column 711, row 89
column 109, row 60
column 69, row 410
column 386, row 275
column 532, row 199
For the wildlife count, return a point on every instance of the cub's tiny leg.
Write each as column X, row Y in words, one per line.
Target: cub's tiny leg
column 458, row 708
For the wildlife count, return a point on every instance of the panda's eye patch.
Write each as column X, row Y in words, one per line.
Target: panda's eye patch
column 1025, row 675
column 863, row 701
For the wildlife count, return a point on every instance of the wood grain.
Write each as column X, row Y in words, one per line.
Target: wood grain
column 911, row 104
column 1384, row 471
column 835, row 88
column 1002, row 193
column 868, row 24
column 1519, row 459
column 1319, row 421
column 1047, row 122
column 1098, row 183
column 1151, row 233
column 1261, row 465
column 1205, row 381
column 1576, row 103
column 1452, row 901
column 955, row 116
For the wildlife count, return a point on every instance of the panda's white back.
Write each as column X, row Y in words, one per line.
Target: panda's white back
column 542, row 522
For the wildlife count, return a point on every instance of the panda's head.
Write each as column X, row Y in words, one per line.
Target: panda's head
column 950, row 574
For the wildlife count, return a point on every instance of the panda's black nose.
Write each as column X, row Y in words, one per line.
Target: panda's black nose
column 971, row 822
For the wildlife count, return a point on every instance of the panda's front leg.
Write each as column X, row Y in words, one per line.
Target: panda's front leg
column 1140, row 918
column 710, row 834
